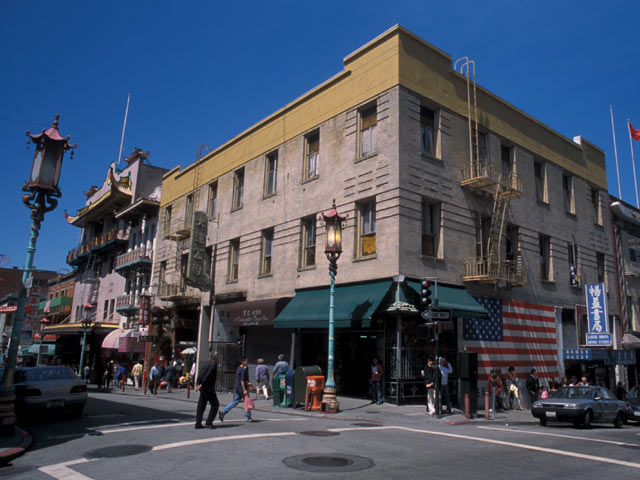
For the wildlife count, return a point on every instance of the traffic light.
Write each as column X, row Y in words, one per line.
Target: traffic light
column 425, row 297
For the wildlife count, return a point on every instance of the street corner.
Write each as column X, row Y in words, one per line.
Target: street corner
column 14, row 446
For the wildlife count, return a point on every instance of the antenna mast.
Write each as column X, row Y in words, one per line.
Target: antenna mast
column 124, row 127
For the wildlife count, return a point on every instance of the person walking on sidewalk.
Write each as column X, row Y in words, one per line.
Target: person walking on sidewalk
column 376, row 380
column 445, row 370
column 155, row 375
column 241, row 390
column 533, row 386
column 136, row 373
column 262, row 379
column 206, row 385
column 514, row 389
column 170, row 375
column 281, row 367
column 429, row 374
column 121, row 375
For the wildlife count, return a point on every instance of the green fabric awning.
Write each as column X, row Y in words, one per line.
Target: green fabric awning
column 353, row 306
column 47, row 349
column 457, row 299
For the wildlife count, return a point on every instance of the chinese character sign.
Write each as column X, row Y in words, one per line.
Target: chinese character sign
column 197, row 274
column 597, row 308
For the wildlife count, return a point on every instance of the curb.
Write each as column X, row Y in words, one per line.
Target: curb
column 15, row 452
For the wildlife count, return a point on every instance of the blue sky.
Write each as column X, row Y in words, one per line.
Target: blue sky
column 200, row 72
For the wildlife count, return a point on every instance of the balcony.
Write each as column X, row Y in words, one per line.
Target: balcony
column 127, row 304
column 487, row 179
column 631, row 269
column 178, row 229
column 100, row 242
column 480, row 270
column 56, row 306
column 169, row 292
column 138, row 259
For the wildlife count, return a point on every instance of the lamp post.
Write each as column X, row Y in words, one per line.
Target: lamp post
column 41, row 196
column 42, row 323
column 333, row 248
column 85, row 325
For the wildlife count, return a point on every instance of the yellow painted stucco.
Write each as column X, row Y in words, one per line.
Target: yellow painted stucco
column 397, row 57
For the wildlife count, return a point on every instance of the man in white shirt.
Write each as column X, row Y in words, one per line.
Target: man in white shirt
column 445, row 370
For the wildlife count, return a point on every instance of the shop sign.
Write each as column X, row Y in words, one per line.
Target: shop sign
column 598, row 334
column 624, row 357
column 197, row 275
column 578, row 354
column 599, row 340
column 249, row 314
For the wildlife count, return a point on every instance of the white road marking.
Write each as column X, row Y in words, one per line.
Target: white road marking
column 61, row 471
column 182, row 424
column 187, row 443
column 548, row 434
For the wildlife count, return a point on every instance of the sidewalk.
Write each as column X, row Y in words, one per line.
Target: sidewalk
column 351, row 409
column 15, row 446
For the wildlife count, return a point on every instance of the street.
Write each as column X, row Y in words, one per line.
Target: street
column 153, row 437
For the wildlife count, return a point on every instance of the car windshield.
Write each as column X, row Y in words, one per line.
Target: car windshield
column 573, row 392
column 39, row 374
column 634, row 393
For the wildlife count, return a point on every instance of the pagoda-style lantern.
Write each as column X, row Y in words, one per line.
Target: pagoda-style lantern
column 333, row 225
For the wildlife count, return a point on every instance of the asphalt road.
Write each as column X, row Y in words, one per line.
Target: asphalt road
column 157, row 436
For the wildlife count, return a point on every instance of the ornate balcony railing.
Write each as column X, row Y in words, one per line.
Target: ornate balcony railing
column 482, row 271
column 177, row 292
column 134, row 257
column 96, row 244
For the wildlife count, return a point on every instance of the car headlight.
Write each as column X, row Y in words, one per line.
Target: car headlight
column 537, row 404
column 572, row 405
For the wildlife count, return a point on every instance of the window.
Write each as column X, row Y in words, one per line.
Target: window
column 112, row 306
column 238, row 188
column 481, row 150
column 511, row 243
column 266, row 251
column 567, row 193
column 634, row 249
column 234, row 251
column 368, row 121
column 308, row 242
column 595, row 204
column 483, row 225
column 545, row 257
column 162, row 273
column 167, row 220
column 184, row 264
column 311, row 156
column 430, row 228
column 367, row 229
column 427, row 131
column 188, row 210
column 600, row 267
column 213, row 196
column 105, row 312
column 574, row 274
column 270, row 174
column 541, row 181
column 507, row 162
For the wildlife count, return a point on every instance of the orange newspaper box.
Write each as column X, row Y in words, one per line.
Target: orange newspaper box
column 313, row 396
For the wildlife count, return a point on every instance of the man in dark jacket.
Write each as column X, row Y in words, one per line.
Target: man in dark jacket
column 206, row 385
column 533, row 386
column 430, row 373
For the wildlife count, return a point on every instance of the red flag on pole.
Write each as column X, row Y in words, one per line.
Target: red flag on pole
column 635, row 134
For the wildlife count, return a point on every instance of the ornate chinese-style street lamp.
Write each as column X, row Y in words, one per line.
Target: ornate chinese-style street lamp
column 333, row 248
column 41, row 196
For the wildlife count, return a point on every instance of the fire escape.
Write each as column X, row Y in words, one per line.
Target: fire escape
column 491, row 265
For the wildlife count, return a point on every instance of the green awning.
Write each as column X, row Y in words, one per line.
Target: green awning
column 353, row 306
column 457, row 299
column 45, row 349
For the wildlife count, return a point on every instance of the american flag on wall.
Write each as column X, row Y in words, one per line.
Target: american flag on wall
column 516, row 334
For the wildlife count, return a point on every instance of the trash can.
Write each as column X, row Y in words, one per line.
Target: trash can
column 313, row 394
column 278, row 391
column 300, row 382
column 289, row 389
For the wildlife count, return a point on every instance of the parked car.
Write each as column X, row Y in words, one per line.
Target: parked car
column 47, row 388
column 633, row 399
column 582, row 406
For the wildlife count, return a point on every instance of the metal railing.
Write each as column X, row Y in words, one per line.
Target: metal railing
column 167, row 291
column 127, row 301
column 631, row 269
column 97, row 243
column 485, row 271
column 487, row 177
column 137, row 255
column 178, row 229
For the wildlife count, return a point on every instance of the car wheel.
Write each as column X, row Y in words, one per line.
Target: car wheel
column 76, row 410
column 618, row 421
column 543, row 421
column 588, row 418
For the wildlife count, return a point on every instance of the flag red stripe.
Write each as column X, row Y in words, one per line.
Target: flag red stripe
column 509, row 338
column 529, row 306
column 512, row 351
column 517, row 363
column 528, row 328
column 529, row 316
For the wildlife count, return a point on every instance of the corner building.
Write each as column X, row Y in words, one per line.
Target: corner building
column 439, row 177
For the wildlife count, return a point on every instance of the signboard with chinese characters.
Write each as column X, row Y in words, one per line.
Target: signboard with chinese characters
column 197, row 275
column 251, row 314
column 597, row 315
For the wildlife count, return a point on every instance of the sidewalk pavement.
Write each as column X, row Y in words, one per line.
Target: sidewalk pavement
column 14, row 446
column 351, row 409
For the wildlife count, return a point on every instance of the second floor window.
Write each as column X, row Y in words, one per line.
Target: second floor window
column 234, row 253
column 600, row 267
column 271, row 174
column 238, row 189
column 567, row 193
column 311, row 156
column 308, row 243
column 368, row 122
column 545, row 257
column 540, row 181
column 213, row 197
column 427, row 131
column 595, row 204
column 188, row 210
column 430, row 228
column 367, row 229
column 266, row 252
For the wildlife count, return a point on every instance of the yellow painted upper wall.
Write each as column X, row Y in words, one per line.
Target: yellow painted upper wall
column 397, row 57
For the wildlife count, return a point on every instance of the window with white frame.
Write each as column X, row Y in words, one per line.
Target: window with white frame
column 213, row 197
column 238, row 189
column 271, row 174
column 308, row 242
column 368, row 120
column 311, row 156
column 539, row 172
column 266, row 251
column 234, row 254
column 595, row 205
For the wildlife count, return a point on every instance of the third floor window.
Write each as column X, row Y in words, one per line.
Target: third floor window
column 271, row 174
column 238, row 189
column 366, row 228
column 368, row 122
column 428, row 131
column 311, row 156
column 213, row 198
